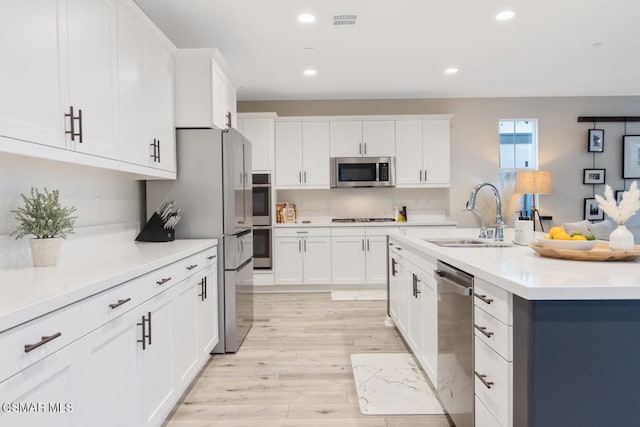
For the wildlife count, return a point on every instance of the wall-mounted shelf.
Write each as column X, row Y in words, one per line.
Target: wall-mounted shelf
column 599, row 119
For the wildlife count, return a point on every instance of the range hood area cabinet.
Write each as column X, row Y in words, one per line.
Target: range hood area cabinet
column 205, row 90
column 423, row 156
column 364, row 138
column 89, row 55
column 302, row 154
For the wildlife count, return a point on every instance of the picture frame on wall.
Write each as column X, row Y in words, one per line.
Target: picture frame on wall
column 596, row 141
column 631, row 156
column 592, row 210
column 619, row 194
column 594, row 176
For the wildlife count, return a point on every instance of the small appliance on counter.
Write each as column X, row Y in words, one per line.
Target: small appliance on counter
column 161, row 225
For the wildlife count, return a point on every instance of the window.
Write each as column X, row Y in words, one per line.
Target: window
column 518, row 150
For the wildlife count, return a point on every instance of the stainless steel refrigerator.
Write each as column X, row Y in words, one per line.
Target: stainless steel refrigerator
column 213, row 191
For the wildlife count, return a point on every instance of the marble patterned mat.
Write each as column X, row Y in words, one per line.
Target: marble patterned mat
column 363, row 294
column 392, row 384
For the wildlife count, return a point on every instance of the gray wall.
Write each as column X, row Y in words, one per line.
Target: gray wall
column 474, row 140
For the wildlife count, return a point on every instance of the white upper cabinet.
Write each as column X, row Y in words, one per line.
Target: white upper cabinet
column 30, row 108
column 423, row 153
column 362, row 138
column 302, row 154
column 205, row 91
column 259, row 128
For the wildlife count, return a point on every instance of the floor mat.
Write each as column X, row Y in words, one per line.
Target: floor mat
column 363, row 294
column 392, row 384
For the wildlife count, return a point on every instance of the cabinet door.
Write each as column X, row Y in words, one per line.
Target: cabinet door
column 414, row 327
column 30, row 107
column 289, row 154
column 218, row 95
column 157, row 379
column 376, row 262
column 404, row 292
column 317, row 260
column 348, row 259
column 110, row 373
column 315, row 160
column 230, row 100
column 394, row 288
column 436, row 151
column 92, row 73
column 288, row 260
column 160, row 78
column 379, row 138
column 55, row 382
column 185, row 344
column 409, row 171
column 132, row 89
column 346, row 138
column 208, row 312
column 428, row 354
column 260, row 131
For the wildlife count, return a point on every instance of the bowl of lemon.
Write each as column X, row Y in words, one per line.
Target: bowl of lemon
column 558, row 238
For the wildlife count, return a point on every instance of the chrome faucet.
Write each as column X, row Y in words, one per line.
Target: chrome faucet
column 471, row 206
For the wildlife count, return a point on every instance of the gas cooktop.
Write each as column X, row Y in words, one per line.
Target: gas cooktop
column 363, row 220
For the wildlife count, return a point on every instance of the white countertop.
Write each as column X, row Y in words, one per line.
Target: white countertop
column 85, row 268
column 521, row 271
column 328, row 223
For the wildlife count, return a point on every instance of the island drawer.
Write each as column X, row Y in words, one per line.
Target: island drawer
column 26, row 344
column 493, row 332
column 493, row 382
column 106, row 306
column 495, row 301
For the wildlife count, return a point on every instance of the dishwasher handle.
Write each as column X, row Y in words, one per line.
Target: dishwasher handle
column 456, row 287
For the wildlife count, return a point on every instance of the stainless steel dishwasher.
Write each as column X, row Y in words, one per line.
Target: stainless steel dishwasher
column 455, row 343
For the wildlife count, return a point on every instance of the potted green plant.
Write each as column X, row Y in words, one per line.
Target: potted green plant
column 45, row 218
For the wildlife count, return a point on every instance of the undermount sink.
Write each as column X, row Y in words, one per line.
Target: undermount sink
column 469, row 243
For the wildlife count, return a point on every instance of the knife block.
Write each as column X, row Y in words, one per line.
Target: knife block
column 154, row 231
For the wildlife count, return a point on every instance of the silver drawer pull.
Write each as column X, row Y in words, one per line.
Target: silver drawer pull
column 192, row 266
column 484, row 331
column 119, row 303
column 43, row 341
column 486, row 383
column 163, row 281
column 483, row 298
column 210, row 257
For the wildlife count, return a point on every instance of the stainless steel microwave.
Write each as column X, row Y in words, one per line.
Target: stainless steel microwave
column 349, row 172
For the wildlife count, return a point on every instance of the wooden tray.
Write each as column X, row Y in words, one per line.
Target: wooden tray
column 600, row 252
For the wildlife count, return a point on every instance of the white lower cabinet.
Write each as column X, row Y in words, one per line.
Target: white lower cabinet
column 428, row 350
column 358, row 255
column 208, row 311
column 302, row 256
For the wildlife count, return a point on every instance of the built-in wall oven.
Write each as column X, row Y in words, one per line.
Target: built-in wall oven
column 262, row 231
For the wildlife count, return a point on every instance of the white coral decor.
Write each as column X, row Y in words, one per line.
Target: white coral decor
column 628, row 206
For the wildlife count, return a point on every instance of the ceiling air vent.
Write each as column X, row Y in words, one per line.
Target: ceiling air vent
column 344, row 20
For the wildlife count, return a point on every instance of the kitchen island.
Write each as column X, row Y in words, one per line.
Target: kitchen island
column 555, row 342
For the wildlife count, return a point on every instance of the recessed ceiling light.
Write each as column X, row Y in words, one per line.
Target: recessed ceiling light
column 306, row 18
column 309, row 72
column 451, row 70
column 505, row 15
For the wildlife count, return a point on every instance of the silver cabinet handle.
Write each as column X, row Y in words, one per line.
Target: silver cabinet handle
column 420, row 175
column 299, row 245
column 43, row 341
column 393, row 267
column 163, row 281
column 483, row 298
column 119, row 303
column 305, row 177
column 482, row 377
column 362, row 245
column 191, row 267
column 368, row 248
column 304, row 245
column 360, row 148
column 300, row 177
column 210, row 257
column 484, row 331
column 365, row 148
column 425, row 175
column 302, row 232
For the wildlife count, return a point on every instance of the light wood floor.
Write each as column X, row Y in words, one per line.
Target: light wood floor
column 294, row 368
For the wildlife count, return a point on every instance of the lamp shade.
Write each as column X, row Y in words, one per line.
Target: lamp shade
column 533, row 182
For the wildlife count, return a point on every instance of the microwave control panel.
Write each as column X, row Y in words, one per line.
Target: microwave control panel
column 383, row 171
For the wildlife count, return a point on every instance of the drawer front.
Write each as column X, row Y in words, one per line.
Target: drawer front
column 380, row 231
column 191, row 265
column 302, row 232
column 161, row 279
column 496, row 396
column 105, row 306
column 495, row 301
column 42, row 334
column 208, row 257
column 494, row 333
column 483, row 417
column 348, row 231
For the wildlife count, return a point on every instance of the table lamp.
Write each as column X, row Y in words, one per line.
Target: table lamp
column 534, row 182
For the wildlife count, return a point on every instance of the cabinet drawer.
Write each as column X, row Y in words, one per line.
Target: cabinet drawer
column 500, row 338
column 208, row 257
column 105, row 306
column 497, row 371
column 191, row 265
column 348, row 231
column 380, row 231
column 302, row 232
column 483, row 417
column 495, row 301
column 161, row 279
column 42, row 334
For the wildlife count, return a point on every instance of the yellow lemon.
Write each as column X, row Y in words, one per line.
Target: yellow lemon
column 563, row 235
column 554, row 231
column 578, row 237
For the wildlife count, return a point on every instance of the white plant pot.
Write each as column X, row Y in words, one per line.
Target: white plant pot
column 621, row 239
column 44, row 252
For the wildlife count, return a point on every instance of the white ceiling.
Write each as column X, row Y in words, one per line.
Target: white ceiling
column 400, row 48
